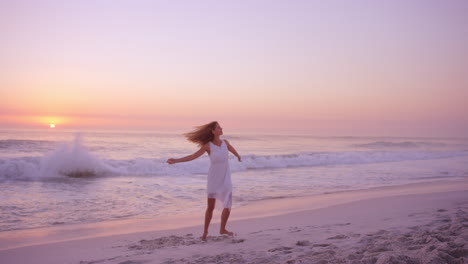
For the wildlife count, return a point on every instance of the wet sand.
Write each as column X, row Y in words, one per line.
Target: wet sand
column 418, row 223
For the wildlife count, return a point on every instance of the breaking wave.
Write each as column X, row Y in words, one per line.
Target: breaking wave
column 400, row 145
column 75, row 161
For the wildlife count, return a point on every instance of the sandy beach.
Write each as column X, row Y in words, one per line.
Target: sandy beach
column 336, row 131
column 417, row 223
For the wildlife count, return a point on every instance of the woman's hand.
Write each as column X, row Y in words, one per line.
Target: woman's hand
column 239, row 158
column 195, row 155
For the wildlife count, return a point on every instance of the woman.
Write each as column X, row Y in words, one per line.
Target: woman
column 219, row 175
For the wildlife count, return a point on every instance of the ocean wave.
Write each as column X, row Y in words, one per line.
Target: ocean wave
column 70, row 162
column 339, row 158
column 402, row 145
column 68, row 159
column 23, row 145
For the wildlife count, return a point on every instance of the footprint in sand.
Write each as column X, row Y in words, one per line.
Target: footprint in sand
column 285, row 250
column 174, row 241
column 303, row 243
column 344, row 224
column 132, row 262
column 338, row 237
column 321, row 245
column 294, row 229
column 220, row 258
column 237, row 241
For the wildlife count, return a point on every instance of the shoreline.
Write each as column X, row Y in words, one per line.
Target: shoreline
column 411, row 228
column 259, row 209
column 413, row 224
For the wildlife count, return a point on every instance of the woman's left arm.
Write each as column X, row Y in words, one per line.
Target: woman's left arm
column 233, row 150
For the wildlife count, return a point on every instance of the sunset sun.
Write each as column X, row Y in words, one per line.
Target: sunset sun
column 52, row 125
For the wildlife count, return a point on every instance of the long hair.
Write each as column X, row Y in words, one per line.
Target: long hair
column 202, row 134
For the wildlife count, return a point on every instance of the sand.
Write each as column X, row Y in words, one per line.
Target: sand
column 418, row 223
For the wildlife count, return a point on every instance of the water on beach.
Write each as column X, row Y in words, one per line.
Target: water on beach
column 52, row 177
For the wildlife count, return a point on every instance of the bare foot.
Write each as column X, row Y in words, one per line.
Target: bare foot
column 225, row 232
column 203, row 237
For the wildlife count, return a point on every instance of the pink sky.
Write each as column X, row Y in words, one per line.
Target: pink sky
column 382, row 68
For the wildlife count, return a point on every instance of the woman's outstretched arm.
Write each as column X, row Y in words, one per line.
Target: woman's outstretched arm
column 195, row 155
column 233, row 150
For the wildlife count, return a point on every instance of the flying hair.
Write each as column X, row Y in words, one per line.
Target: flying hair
column 202, row 134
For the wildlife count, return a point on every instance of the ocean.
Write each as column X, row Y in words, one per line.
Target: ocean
column 54, row 177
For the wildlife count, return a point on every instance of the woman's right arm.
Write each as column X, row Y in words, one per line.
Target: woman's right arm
column 195, row 155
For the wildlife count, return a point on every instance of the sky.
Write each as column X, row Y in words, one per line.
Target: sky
column 340, row 68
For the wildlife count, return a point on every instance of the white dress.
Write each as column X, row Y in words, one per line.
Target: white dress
column 219, row 176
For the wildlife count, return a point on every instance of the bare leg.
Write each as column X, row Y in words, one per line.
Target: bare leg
column 224, row 219
column 208, row 215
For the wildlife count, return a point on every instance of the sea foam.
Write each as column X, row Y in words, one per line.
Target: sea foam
column 68, row 159
column 74, row 160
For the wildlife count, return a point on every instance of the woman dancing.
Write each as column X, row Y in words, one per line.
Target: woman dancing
column 219, row 175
